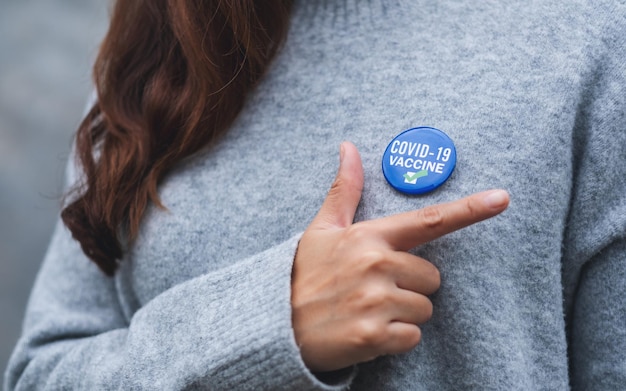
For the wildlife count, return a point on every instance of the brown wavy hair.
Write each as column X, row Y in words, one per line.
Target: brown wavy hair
column 171, row 76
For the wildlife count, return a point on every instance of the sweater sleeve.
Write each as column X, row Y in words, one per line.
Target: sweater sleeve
column 225, row 330
column 594, row 263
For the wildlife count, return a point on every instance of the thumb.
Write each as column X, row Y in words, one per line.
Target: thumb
column 345, row 193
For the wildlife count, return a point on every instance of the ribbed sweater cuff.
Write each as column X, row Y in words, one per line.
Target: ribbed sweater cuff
column 230, row 329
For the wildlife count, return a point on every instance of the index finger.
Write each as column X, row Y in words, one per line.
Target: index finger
column 407, row 230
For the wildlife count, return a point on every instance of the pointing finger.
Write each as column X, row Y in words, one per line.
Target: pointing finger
column 407, row 230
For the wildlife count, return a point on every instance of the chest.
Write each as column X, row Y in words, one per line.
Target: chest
column 508, row 109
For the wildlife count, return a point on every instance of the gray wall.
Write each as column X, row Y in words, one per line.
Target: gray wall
column 46, row 48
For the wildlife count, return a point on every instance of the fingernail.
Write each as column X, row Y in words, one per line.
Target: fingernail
column 341, row 153
column 496, row 199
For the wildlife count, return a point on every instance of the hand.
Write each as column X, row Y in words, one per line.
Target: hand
column 356, row 291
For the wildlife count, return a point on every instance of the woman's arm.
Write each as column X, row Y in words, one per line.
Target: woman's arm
column 594, row 255
column 226, row 330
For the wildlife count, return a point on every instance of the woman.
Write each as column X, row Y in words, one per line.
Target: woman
column 191, row 201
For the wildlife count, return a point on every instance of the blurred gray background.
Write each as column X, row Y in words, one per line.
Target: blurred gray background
column 46, row 50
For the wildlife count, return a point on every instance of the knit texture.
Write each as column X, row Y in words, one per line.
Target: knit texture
column 533, row 94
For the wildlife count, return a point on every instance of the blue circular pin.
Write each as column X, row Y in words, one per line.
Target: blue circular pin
column 419, row 160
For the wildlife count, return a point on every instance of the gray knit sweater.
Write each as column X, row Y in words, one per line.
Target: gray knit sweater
column 532, row 92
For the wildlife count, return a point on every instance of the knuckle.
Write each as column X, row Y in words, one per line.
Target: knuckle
column 436, row 278
column 373, row 297
column 369, row 334
column 375, row 260
column 471, row 208
column 343, row 182
column 414, row 339
column 335, row 188
column 357, row 231
column 431, row 217
column 410, row 342
column 433, row 275
column 427, row 310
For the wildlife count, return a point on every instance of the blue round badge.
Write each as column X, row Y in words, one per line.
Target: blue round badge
column 419, row 160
